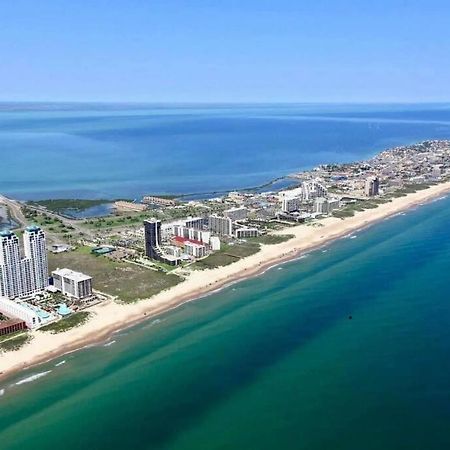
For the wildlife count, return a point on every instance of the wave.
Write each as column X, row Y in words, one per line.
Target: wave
column 2, row 392
column 33, row 377
column 439, row 198
column 109, row 343
column 60, row 363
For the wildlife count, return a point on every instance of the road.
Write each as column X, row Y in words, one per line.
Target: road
column 15, row 210
column 88, row 234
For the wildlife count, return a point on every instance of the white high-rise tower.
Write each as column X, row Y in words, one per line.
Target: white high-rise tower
column 20, row 277
column 36, row 251
column 10, row 265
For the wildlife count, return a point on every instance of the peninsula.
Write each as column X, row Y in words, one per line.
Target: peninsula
column 187, row 250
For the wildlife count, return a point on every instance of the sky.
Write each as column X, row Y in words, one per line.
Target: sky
column 225, row 51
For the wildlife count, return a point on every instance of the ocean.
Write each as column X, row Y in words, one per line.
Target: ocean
column 345, row 348
column 126, row 151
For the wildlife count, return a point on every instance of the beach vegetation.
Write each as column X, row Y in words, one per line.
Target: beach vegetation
column 73, row 320
column 271, row 239
column 14, row 341
column 228, row 254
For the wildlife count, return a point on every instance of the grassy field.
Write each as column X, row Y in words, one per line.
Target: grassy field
column 128, row 282
column 409, row 189
column 13, row 342
column 48, row 223
column 271, row 239
column 72, row 321
column 349, row 210
column 362, row 205
column 228, row 254
column 136, row 218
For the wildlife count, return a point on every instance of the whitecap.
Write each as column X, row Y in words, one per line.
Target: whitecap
column 60, row 363
column 2, row 392
column 109, row 343
column 33, row 377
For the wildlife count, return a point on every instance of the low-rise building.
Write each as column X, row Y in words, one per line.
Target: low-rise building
column 73, row 284
column 129, row 206
column 23, row 311
column 11, row 326
column 242, row 233
column 214, row 242
column 153, row 200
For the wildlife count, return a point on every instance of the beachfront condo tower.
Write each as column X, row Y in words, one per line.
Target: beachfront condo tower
column 21, row 277
column 152, row 230
column 36, row 251
column 10, row 265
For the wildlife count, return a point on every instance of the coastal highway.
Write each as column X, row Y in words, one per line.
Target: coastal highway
column 15, row 210
column 89, row 234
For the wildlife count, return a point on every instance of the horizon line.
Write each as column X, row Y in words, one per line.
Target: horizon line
column 137, row 102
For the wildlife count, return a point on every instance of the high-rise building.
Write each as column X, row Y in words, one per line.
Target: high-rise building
column 222, row 226
column 236, row 213
column 321, row 206
column 313, row 189
column 372, row 187
column 36, row 251
column 19, row 276
column 11, row 267
column 196, row 222
column 194, row 249
column 292, row 204
column 152, row 230
column 192, row 233
column 72, row 284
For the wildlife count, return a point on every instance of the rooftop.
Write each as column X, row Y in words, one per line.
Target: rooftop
column 68, row 273
column 33, row 229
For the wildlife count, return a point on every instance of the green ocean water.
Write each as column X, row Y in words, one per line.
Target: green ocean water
column 346, row 348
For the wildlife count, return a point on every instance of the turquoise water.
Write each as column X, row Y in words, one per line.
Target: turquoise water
column 272, row 362
column 126, row 151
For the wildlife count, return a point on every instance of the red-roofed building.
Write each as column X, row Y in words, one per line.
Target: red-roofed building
column 11, row 326
column 181, row 241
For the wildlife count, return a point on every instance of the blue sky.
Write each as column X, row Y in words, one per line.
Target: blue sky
column 225, row 51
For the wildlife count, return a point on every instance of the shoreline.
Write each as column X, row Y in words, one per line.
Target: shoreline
column 110, row 317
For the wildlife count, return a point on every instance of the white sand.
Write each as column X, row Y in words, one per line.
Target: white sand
column 110, row 316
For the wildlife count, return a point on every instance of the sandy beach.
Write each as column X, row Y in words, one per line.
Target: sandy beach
column 110, row 316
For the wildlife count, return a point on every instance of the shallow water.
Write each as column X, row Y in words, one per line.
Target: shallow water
column 346, row 349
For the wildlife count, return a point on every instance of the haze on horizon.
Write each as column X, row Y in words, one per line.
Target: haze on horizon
column 198, row 51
